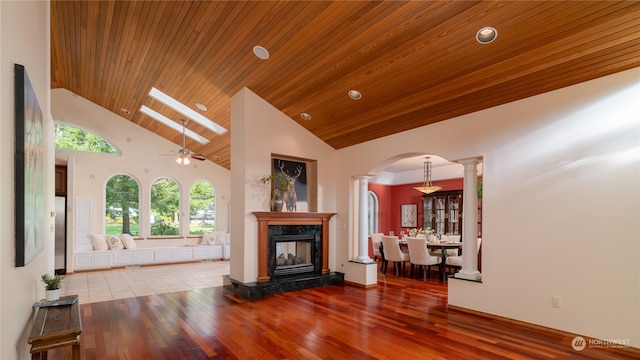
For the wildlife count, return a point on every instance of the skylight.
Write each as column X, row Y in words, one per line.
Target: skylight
column 186, row 111
column 172, row 124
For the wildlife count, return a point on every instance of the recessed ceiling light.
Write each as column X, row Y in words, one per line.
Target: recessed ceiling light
column 355, row 94
column 486, row 35
column 126, row 111
column 305, row 116
column 201, row 107
column 261, row 52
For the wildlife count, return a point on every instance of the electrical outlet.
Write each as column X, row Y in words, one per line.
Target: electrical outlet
column 556, row 301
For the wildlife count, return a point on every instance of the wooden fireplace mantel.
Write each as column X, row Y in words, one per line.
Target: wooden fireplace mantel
column 266, row 218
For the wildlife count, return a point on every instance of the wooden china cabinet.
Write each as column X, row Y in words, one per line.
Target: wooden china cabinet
column 442, row 211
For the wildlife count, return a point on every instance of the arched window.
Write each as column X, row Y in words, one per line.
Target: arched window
column 202, row 208
column 373, row 212
column 165, row 207
column 122, row 210
column 73, row 138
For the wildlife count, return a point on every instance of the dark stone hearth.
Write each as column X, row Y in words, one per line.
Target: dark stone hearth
column 255, row 290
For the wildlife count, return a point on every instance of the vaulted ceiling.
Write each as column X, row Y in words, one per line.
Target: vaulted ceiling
column 415, row 62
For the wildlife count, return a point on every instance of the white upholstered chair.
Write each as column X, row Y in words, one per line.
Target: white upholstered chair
column 420, row 255
column 392, row 252
column 456, row 261
column 376, row 239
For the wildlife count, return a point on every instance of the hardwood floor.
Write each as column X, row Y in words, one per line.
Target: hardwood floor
column 401, row 318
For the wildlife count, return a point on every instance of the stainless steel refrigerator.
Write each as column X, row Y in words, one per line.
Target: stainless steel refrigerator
column 61, row 235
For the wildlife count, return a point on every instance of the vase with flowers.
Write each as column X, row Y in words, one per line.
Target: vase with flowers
column 279, row 185
column 425, row 232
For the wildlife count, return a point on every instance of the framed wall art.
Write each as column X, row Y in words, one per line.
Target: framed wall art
column 301, row 195
column 29, row 170
column 408, row 215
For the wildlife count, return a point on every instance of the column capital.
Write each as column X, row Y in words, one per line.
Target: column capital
column 364, row 177
column 469, row 161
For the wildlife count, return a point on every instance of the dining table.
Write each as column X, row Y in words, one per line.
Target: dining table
column 439, row 245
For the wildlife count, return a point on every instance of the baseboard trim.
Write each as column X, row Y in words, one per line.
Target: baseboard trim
column 360, row 285
column 627, row 349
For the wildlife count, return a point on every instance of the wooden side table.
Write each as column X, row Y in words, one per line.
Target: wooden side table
column 57, row 324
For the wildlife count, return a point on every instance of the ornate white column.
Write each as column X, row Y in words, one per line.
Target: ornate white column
column 363, row 228
column 470, row 222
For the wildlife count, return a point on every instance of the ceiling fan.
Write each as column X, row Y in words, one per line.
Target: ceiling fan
column 184, row 154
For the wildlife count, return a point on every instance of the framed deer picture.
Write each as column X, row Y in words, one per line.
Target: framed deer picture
column 301, row 177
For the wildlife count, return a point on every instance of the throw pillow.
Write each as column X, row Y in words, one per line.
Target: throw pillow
column 114, row 242
column 128, row 241
column 222, row 238
column 208, row 238
column 99, row 242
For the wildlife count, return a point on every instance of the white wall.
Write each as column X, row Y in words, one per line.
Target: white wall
column 561, row 204
column 24, row 39
column 140, row 159
column 260, row 130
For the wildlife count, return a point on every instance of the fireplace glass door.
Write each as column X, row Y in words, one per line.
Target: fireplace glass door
column 294, row 254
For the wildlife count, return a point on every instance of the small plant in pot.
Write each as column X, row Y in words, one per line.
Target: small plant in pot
column 52, row 286
column 279, row 185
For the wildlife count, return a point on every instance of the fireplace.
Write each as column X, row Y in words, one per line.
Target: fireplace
column 293, row 251
column 289, row 228
column 292, row 254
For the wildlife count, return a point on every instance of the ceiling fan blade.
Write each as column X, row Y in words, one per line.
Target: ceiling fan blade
column 198, row 156
column 172, row 153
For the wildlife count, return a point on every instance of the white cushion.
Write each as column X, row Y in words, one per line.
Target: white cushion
column 114, row 242
column 128, row 241
column 222, row 238
column 99, row 242
column 208, row 238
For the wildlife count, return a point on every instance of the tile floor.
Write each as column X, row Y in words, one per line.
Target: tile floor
column 95, row 286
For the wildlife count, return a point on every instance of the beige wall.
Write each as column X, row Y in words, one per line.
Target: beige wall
column 561, row 204
column 24, row 39
column 259, row 130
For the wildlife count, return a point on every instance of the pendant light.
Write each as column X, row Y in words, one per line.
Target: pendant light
column 427, row 187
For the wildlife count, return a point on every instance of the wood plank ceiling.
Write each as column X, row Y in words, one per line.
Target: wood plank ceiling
column 415, row 63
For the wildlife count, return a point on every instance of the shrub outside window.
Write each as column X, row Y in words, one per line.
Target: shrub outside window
column 122, row 198
column 165, row 207
column 202, row 209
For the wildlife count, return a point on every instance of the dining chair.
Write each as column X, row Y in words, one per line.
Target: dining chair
column 392, row 252
column 376, row 239
column 420, row 256
column 456, row 261
column 453, row 239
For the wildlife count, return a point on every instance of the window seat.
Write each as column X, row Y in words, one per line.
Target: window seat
column 105, row 259
column 145, row 254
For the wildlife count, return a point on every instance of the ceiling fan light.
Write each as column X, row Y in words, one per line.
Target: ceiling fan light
column 186, row 161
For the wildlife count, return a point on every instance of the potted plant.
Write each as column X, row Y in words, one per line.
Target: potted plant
column 52, row 286
column 279, row 185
